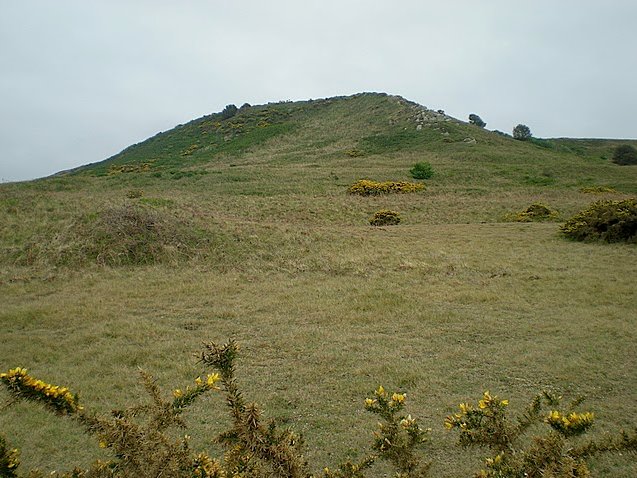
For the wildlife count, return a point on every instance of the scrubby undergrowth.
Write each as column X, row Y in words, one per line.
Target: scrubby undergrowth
column 143, row 444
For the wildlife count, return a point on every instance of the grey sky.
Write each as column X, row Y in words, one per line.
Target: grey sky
column 81, row 80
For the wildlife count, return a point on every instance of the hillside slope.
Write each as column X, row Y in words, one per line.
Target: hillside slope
column 243, row 228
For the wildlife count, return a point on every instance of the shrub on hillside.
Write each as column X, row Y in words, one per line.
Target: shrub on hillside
column 366, row 187
column 476, row 120
column 625, row 155
column 421, row 170
column 608, row 221
column 385, row 217
column 522, row 132
column 228, row 112
column 597, row 190
column 536, row 212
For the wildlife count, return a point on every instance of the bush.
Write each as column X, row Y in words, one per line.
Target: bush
column 598, row 190
column 421, row 170
column 366, row 187
column 228, row 112
column 549, row 453
column 476, row 120
column 385, row 217
column 625, row 155
column 144, row 444
column 536, row 212
column 522, row 132
column 608, row 221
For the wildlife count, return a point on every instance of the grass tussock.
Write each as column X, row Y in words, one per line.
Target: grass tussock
column 120, row 235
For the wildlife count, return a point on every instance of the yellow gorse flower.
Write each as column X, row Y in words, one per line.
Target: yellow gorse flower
column 398, row 397
column 212, row 379
column 58, row 397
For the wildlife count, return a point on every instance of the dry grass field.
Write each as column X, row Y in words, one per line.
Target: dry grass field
column 262, row 244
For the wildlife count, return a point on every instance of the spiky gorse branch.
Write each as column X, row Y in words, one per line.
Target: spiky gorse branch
column 57, row 399
column 254, row 449
column 142, row 447
column 551, row 454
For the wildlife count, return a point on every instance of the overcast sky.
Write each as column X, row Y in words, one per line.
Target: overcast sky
column 81, row 80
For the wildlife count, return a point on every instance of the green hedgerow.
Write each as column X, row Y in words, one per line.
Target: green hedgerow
column 608, row 221
column 421, row 170
column 385, row 217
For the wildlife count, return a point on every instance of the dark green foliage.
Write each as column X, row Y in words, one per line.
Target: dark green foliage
column 522, row 132
column 608, row 221
column 476, row 120
column 422, row 170
column 625, row 155
column 385, row 217
column 228, row 112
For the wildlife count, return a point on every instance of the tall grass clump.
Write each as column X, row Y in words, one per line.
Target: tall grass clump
column 607, row 221
column 118, row 235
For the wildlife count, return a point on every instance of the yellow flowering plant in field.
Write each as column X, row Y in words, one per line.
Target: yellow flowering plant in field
column 550, row 454
column 143, row 442
column 367, row 187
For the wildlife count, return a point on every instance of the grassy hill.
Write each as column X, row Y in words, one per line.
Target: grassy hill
column 242, row 227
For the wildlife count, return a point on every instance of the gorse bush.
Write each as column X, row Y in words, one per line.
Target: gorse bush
column 536, row 212
column 608, row 221
column 385, row 217
column 422, row 170
column 144, row 444
column 597, row 190
column 551, row 453
column 366, row 187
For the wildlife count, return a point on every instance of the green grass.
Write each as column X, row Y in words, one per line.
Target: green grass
column 452, row 301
